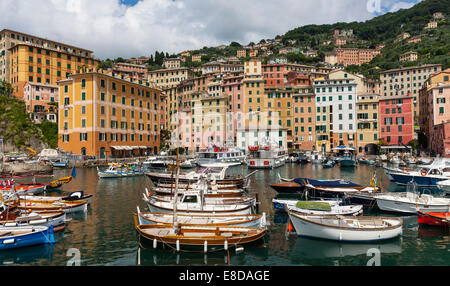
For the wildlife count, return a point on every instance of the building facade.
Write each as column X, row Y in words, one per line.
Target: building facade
column 41, row 101
column 105, row 116
column 396, row 119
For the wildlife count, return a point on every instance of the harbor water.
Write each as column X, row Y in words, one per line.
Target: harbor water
column 105, row 235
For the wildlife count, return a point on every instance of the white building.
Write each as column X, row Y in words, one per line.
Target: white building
column 336, row 112
column 257, row 136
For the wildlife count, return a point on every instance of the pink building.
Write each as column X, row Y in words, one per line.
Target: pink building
column 439, row 119
column 396, row 119
column 38, row 101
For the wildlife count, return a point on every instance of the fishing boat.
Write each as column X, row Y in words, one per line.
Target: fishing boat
column 116, row 170
column 303, row 159
column 216, row 200
column 209, row 193
column 250, row 220
column 201, row 238
column 266, row 157
column 40, row 206
column 61, row 164
column 25, row 189
column 293, row 158
column 444, row 186
column 366, row 161
column 215, row 156
column 322, row 188
column 219, row 175
column 345, row 158
column 16, row 237
column 13, row 217
column 194, row 204
column 424, row 177
column 72, row 197
column 411, row 202
column 328, row 163
column 340, row 228
column 193, row 186
column 434, row 218
column 317, row 157
column 317, row 207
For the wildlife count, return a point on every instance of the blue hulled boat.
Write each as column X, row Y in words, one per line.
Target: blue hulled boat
column 425, row 177
column 16, row 237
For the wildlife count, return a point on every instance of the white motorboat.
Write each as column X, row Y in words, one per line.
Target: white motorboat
column 444, row 186
column 317, row 157
column 266, row 157
column 194, row 204
column 215, row 157
column 409, row 202
column 117, row 170
column 356, row 229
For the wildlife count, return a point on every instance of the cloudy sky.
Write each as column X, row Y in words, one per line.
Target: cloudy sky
column 129, row 28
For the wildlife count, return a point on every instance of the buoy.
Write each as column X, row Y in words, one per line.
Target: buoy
column 290, row 228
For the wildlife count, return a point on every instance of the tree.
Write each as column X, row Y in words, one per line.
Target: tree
column 235, row 45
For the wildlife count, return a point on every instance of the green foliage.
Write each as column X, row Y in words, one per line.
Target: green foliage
column 49, row 133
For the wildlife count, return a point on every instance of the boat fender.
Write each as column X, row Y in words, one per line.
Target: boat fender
column 155, row 243
column 205, row 249
column 225, row 246
column 239, row 249
column 178, row 245
column 340, row 236
column 9, row 241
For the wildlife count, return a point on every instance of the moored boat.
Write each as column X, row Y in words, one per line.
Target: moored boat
column 251, row 220
column 266, row 157
column 13, row 217
column 37, row 206
column 120, row 171
column 317, row 207
column 16, row 237
column 73, row 197
column 355, row 229
column 214, row 157
column 410, row 202
column 434, row 218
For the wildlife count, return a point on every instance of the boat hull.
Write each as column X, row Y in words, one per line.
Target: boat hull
column 307, row 228
column 409, row 207
column 434, row 219
column 41, row 235
column 421, row 181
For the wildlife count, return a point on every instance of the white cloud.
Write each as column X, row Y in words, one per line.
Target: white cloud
column 112, row 29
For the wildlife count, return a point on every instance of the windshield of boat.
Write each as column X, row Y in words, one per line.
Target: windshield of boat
column 190, row 199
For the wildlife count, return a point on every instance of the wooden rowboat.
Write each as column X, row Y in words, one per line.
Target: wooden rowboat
column 73, row 197
column 14, row 217
column 66, row 206
column 357, row 229
column 206, row 238
column 251, row 220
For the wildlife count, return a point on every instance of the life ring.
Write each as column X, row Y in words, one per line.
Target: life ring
column 423, row 172
column 405, row 170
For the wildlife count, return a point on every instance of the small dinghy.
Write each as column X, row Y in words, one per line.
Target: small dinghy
column 409, row 202
column 25, row 189
column 16, row 237
column 12, row 216
column 41, row 206
column 356, row 229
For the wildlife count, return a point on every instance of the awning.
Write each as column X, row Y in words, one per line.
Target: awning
column 129, row 148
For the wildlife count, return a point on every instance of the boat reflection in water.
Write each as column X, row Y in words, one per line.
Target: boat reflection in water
column 34, row 255
column 305, row 250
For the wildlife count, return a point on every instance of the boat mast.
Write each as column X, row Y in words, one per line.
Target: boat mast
column 177, row 166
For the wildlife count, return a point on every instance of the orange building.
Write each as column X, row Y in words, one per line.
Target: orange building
column 40, row 64
column 106, row 116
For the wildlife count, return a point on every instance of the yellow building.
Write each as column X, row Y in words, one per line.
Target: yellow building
column 170, row 78
column 32, row 63
column 367, row 121
column 106, row 116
